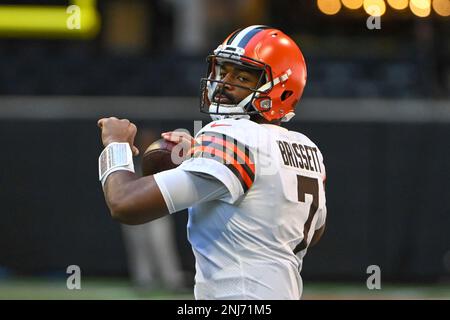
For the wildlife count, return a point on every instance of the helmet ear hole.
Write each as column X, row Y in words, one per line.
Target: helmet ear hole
column 286, row 94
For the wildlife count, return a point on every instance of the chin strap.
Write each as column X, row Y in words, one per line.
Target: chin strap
column 227, row 108
column 288, row 116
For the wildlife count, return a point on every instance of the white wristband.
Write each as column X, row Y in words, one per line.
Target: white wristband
column 116, row 156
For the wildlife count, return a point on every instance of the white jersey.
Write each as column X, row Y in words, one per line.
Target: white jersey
column 249, row 244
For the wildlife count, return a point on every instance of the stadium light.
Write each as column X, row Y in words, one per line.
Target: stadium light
column 48, row 21
column 329, row 7
column 375, row 8
column 442, row 7
column 420, row 8
column 353, row 4
column 398, row 4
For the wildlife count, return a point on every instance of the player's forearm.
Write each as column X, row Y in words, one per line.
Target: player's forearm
column 133, row 200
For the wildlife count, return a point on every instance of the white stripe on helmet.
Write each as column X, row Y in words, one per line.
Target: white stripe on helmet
column 242, row 34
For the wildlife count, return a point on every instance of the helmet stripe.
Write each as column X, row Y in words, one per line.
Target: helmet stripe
column 233, row 35
column 250, row 36
column 242, row 38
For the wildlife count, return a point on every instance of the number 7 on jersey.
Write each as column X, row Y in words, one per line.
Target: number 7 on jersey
column 307, row 185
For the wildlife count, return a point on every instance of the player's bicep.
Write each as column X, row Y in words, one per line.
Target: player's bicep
column 132, row 200
column 182, row 189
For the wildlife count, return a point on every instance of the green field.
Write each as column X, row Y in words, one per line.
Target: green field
column 107, row 289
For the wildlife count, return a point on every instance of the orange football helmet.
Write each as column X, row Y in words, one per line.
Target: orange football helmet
column 282, row 80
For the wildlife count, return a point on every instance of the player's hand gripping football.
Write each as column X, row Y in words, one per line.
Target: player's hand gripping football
column 115, row 130
column 183, row 139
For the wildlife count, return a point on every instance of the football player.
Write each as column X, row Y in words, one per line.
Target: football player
column 255, row 190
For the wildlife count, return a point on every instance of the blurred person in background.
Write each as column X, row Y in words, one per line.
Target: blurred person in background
column 153, row 259
column 255, row 190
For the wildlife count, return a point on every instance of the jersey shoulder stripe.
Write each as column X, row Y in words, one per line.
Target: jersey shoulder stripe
column 234, row 155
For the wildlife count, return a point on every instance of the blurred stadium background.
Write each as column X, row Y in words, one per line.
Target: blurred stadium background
column 377, row 102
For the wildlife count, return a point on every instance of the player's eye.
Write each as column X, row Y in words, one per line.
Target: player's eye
column 243, row 77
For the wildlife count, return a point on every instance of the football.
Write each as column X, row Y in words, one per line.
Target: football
column 157, row 157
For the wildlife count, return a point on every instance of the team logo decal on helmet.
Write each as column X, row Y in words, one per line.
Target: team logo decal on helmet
column 282, row 74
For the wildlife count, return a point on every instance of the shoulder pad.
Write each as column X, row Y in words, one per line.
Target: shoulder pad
column 243, row 130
